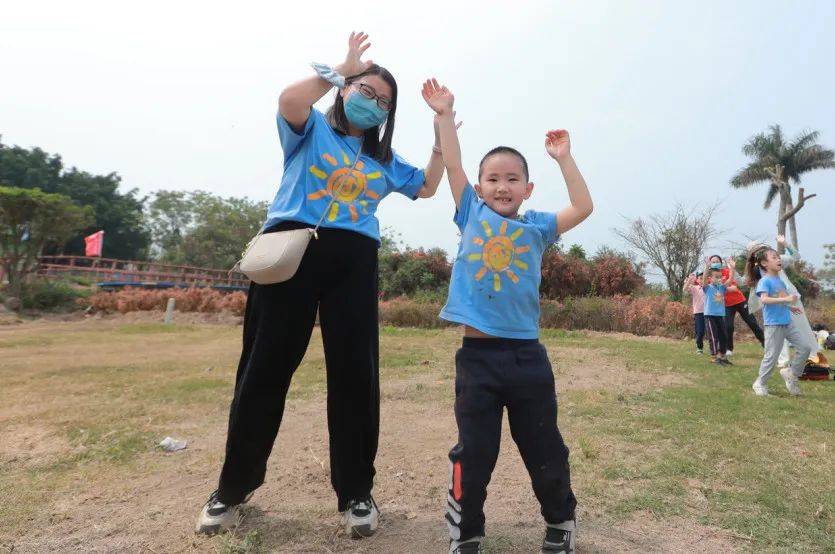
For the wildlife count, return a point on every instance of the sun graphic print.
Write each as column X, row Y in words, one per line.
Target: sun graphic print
column 348, row 187
column 499, row 255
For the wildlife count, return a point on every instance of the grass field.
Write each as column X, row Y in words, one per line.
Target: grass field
column 669, row 453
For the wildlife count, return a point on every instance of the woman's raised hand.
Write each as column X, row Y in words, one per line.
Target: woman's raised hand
column 558, row 144
column 439, row 98
column 353, row 64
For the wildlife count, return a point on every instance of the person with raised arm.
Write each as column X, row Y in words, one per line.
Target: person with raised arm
column 494, row 294
column 340, row 165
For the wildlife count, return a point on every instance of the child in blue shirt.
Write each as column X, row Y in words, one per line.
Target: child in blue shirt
column 715, row 290
column 763, row 268
column 494, row 293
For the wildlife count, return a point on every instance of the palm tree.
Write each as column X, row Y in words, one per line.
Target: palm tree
column 781, row 163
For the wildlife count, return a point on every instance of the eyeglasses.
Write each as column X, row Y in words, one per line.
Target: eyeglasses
column 370, row 93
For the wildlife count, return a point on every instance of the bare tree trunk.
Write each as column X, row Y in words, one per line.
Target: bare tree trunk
column 790, row 210
column 781, row 221
column 792, row 223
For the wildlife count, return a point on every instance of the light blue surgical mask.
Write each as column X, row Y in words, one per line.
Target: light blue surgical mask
column 364, row 113
column 715, row 265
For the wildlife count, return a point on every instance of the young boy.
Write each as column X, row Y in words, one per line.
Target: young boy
column 494, row 293
column 715, row 311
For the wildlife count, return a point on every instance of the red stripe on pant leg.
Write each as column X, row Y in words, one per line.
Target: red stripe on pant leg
column 456, row 481
column 713, row 347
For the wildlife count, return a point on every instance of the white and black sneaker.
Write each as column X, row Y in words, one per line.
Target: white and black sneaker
column 472, row 546
column 361, row 518
column 216, row 517
column 559, row 538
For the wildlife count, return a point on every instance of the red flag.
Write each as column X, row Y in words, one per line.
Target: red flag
column 93, row 244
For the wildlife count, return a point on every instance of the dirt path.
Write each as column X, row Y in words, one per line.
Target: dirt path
column 150, row 504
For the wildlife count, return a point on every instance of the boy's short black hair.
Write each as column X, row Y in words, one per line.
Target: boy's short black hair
column 505, row 150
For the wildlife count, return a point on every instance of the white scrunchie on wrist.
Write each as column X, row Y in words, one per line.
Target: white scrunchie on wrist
column 329, row 74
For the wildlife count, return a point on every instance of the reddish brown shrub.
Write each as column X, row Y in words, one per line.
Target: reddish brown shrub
column 564, row 276
column 614, row 273
column 185, row 300
column 607, row 274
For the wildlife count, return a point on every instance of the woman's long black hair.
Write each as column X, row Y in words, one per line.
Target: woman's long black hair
column 372, row 145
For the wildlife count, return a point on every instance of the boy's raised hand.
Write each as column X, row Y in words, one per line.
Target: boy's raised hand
column 357, row 46
column 439, row 98
column 558, row 144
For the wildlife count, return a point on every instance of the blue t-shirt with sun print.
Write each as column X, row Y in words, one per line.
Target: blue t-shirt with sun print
column 495, row 278
column 315, row 160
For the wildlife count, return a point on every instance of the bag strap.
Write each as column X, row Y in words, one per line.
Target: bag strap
column 337, row 190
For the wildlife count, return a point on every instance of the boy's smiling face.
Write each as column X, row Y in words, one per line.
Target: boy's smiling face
column 503, row 185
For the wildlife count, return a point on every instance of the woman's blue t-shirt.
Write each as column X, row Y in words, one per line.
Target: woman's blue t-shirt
column 315, row 160
column 774, row 314
column 495, row 278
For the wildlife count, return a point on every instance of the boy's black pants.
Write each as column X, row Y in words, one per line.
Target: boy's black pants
column 716, row 334
column 491, row 374
column 337, row 276
column 747, row 317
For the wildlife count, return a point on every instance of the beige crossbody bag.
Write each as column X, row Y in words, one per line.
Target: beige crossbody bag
column 275, row 257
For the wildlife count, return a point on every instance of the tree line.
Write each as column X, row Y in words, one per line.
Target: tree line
column 48, row 208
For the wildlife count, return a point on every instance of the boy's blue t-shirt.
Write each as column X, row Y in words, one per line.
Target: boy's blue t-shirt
column 314, row 161
column 495, row 278
column 714, row 299
column 774, row 314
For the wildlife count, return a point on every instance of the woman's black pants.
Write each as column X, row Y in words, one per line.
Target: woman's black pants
column 747, row 317
column 337, row 277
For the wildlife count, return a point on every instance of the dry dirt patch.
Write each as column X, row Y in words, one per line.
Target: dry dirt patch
column 30, row 443
column 150, row 503
column 589, row 369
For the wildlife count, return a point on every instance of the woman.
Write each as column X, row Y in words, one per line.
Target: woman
column 344, row 155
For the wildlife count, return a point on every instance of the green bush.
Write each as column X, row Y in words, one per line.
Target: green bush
column 413, row 270
column 49, row 295
column 804, row 278
column 434, row 296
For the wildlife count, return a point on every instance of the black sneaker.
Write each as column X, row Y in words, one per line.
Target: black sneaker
column 469, row 547
column 361, row 518
column 217, row 517
column 724, row 361
column 559, row 538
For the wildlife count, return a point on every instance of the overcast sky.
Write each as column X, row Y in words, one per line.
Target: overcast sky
column 659, row 96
